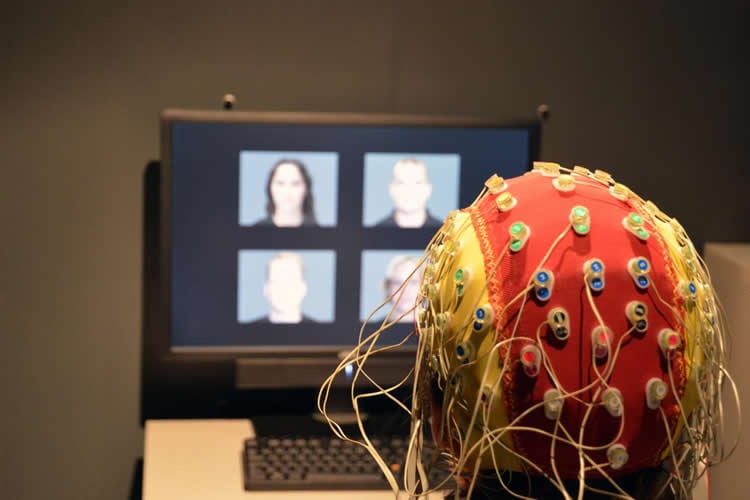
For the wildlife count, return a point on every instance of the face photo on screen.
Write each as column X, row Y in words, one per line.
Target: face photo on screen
column 285, row 288
column 409, row 191
column 298, row 189
column 401, row 286
column 289, row 198
column 390, row 278
column 274, row 286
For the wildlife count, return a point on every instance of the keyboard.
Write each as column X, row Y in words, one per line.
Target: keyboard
column 323, row 463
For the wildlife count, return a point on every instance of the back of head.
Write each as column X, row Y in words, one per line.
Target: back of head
column 569, row 342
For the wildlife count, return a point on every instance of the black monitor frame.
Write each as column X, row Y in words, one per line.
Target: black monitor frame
column 212, row 383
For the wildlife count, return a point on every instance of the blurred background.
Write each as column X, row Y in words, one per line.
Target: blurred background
column 653, row 92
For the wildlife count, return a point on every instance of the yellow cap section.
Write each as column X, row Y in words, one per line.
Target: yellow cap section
column 696, row 308
column 466, row 347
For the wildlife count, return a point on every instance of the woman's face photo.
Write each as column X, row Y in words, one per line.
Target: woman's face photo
column 288, row 188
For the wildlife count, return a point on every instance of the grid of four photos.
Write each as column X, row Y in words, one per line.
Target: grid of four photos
column 291, row 190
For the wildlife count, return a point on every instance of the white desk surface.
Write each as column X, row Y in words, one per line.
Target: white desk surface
column 199, row 459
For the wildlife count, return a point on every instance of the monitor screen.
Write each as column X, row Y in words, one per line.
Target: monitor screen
column 280, row 234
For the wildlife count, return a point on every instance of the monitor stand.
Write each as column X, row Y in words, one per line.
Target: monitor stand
column 339, row 408
column 282, row 392
column 385, row 417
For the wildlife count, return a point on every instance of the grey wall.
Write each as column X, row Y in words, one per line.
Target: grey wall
column 653, row 93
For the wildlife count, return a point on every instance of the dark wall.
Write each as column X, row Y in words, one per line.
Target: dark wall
column 654, row 93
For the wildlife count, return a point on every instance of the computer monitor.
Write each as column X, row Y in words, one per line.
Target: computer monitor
column 270, row 237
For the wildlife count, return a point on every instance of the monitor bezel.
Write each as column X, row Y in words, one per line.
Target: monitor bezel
column 169, row 371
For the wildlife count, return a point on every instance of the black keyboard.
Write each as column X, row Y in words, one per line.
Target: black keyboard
column 323, row 463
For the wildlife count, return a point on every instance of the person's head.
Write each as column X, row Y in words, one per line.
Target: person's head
column 402, row 270
column 569, row 338
column 575, row 337
column 289, row 189
column 410, row 186
column 285, row 287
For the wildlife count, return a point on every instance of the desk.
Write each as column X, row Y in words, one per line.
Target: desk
column 199, row 459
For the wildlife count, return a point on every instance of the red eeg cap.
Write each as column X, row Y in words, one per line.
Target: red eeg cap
column 545, row 210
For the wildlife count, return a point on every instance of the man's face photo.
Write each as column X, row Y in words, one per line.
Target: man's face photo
column 285, row 286
column 422, row 188
column 410, row 188
column 399, row 270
